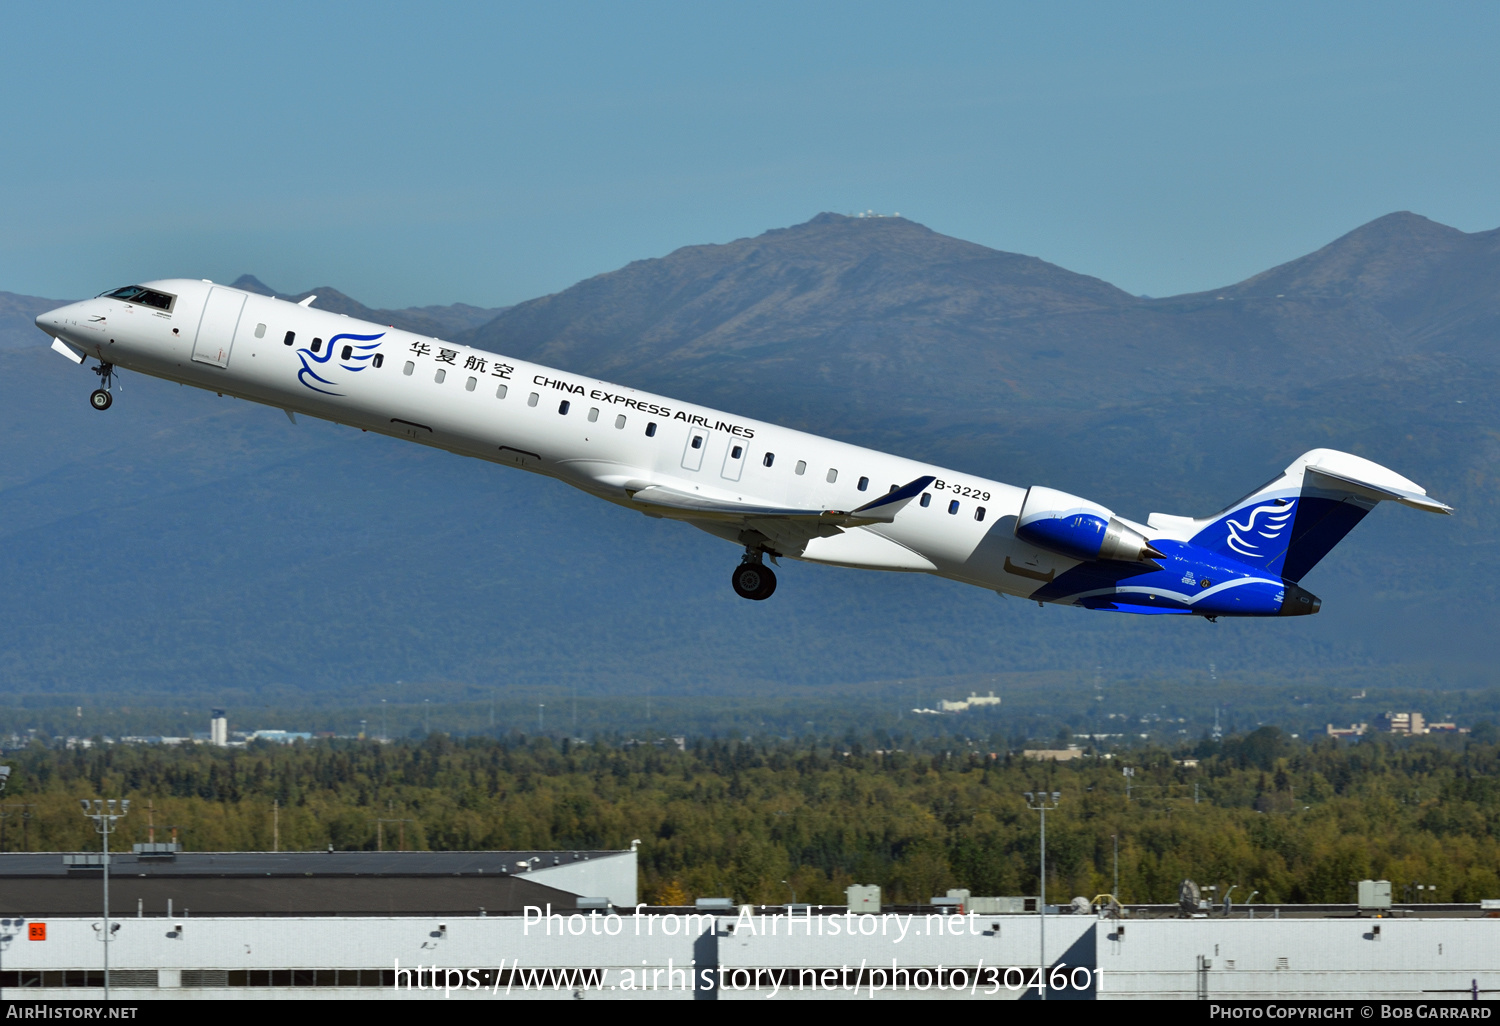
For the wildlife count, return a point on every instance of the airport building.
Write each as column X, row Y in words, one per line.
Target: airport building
column 519, row 925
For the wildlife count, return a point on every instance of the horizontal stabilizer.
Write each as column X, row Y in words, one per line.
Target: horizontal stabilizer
column 1414, row 499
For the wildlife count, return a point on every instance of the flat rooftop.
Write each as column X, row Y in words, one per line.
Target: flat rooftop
column 300, row 863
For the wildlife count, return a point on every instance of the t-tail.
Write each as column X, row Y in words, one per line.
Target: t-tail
column 1287, row 526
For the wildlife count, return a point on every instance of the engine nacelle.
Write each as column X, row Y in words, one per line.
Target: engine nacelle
column 1078, row 528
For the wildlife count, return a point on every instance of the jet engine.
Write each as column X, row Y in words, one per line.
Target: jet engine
column 1079, row 529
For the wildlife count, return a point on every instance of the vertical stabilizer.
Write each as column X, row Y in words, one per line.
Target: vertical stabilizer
column 1291, row 523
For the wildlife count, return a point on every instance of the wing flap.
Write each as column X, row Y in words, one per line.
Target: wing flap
column 685, row 506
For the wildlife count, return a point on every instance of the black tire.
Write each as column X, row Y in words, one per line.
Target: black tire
column 753, row 581
column 769, row 588
column 100, row 399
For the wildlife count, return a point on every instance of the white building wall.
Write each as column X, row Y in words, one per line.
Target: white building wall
column 1284, row 958
column 1431, row 959
column 610, row 876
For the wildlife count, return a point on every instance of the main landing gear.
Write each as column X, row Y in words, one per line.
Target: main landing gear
column 752, row 578
column 99, row 398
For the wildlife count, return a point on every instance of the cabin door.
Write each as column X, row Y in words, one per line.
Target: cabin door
column 221, row 316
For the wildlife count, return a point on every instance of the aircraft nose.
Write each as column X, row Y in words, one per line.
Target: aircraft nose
column 55, row 322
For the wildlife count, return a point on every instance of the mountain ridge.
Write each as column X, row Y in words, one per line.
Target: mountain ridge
column 184, row 539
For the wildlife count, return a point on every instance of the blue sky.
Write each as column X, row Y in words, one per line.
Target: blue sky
column 489, row 153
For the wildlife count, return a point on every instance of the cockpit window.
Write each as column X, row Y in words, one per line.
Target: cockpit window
column 141, row 295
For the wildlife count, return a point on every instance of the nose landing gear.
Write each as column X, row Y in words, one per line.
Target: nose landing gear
column 753, row 579
column 100, row 398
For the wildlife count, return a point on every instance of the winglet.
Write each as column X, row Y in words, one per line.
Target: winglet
column 308, row 301
column 885, row 508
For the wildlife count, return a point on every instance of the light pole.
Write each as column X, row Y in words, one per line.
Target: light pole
column 105, row 814
column 1037, row 802
column 1116, row 891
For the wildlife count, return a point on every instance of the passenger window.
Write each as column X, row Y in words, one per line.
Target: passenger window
column 769, row 459
column 260, row 331
column 563, row 407
column 317, row 345
column 737, row 452
column 593, row 414
column 801, row 467
column 979, row 513
column 697, row 441
column 500, row 392
column 651, row 430
column 469, row 385
column 379, row 361
column 926, row 498
column 953, row 506
column 408, row 368
column 440, row 375
column 833, row 475
column 291, row 337
column 531, row 400
column 864, row 483
column 619, row 421
column 348, row 352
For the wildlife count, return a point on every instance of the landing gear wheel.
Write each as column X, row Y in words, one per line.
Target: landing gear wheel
column 754, row 581
column 99, row 399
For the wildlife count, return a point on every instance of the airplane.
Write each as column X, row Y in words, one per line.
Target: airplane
column 776, row 492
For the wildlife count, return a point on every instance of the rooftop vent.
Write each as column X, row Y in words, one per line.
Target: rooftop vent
column 166, row 850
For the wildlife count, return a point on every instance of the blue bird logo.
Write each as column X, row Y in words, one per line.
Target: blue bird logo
column 358, row 358
column 1241, row 539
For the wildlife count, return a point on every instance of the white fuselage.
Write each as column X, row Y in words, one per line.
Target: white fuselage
column 583, row 431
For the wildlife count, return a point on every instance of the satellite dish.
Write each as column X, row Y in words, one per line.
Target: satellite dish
column 1189, row 898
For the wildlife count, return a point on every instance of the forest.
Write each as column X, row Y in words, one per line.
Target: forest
column 798, row 820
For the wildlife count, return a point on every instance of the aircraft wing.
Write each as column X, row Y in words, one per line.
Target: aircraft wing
column 669, row 502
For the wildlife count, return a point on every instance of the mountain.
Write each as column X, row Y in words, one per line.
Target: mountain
column 187, row 543
column 884, row 307
column 1434, row 285
column 881, row 331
